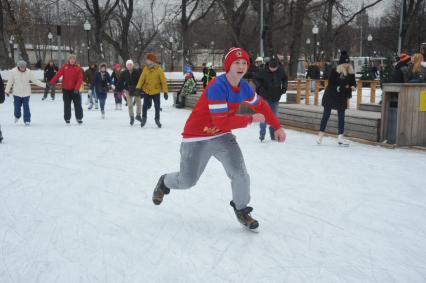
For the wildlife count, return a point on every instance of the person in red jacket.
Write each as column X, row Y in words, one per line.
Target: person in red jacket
column 208, row 133
column 72, row 78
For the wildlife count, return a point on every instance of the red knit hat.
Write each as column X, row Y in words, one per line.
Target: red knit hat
column 234, row 54
column 404, row 57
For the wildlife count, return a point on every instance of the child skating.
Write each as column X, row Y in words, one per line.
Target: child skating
column 207, row 133
column 20, row 80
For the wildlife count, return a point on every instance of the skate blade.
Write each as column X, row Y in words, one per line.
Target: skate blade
column 343, row 145
column 255, row 230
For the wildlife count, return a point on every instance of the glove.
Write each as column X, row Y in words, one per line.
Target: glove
column 166, row 96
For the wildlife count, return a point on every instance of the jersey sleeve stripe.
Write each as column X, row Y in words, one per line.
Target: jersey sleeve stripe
column 254, row 100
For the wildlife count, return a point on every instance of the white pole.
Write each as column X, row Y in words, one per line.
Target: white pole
column 401, row 18
column 360, row 41
column 261, row 29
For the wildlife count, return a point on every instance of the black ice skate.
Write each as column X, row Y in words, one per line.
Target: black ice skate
column 143, row 122
column 244, row 217
column 132, row 121
column 159, row 191
column 157, row 121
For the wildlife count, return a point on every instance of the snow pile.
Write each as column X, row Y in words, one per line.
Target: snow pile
column 76, row 206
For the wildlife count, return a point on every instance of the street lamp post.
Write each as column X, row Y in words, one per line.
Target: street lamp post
column 315, row 31
column 369, row 39
column 87, row 28
column 171, row 54
column 50, row 37
column 12, row 48
column 212, row 46
column 308, row 42
column 162, row 52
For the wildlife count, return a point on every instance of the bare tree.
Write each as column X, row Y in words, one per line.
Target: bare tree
column 17, row 24
column 192, row 11
column 4, row 59
column 234, row 15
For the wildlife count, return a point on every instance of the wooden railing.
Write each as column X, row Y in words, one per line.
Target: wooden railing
column 300, row 85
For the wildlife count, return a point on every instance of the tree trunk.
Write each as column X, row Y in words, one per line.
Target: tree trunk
column 17, row 31
column 295, row 45
column 5, row 60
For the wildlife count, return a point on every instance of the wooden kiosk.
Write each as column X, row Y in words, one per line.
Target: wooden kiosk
column 404, row 114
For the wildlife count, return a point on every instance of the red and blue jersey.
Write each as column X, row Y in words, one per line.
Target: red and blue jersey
column 215, row 112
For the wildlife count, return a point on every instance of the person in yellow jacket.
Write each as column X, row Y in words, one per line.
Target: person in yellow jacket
column 151, row 82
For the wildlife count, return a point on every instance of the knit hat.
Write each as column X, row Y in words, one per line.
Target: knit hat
column 21, row 64
column 188, row 76
column 71, row 56
column 129, row 62
column 234, row 54
column 116, row 66
column 151, row 56
column 259, row 59
column 273, row 63
column 404, row 57
column 344, row 57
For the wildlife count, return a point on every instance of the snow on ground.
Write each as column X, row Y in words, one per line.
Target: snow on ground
column 76, row 206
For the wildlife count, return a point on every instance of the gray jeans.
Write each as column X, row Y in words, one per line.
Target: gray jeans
column 194, row 159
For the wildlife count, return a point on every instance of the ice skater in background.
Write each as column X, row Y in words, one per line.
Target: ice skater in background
column 72, row 79
column 151, row 82
column 188, row 87
column 2, row 98
column 88, row 79
column 207, row 134
column 127, row 82
column 49, row 72
column 118, row 95
column 341, row 83
column 102, row 83
column 20, row 78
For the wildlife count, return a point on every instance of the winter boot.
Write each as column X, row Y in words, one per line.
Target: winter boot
column 157, row 121
column 44, row 98
column 27, row 124
column 132, row 120
column 159, row 191
column 320, row 136
column 67, row 121
column 80, row 122
column 138, row 118
column 342, row 141
column 143, row 122
column 261, row 138
column 244, row 217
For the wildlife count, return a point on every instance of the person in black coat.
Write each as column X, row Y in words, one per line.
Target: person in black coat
column 341, row 83
column 127, row 81
column 313, row 73
column 2, row 98
column 102, row 83
column 402, row 70
column 271, row 82
column 49, row 72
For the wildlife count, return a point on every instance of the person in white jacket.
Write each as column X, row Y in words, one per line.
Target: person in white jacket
column 20, row 78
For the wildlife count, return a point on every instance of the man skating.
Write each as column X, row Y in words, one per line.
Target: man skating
column 207, row 133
